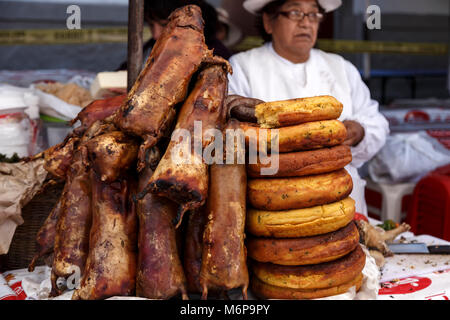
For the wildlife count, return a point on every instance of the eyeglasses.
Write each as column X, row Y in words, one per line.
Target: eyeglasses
column 296, row 15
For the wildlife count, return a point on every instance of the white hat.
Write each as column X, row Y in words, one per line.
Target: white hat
column 234, row 33
column 253, row 6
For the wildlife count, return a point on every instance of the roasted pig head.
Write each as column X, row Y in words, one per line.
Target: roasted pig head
column 182, row 173
column 164, row 81
column 112, row 154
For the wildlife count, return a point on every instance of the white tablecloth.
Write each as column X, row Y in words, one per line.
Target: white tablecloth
column 404, row 277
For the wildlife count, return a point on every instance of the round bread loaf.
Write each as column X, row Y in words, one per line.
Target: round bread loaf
column 301, row 222
column 264, row 290
column 316, row 276
column 299, row 192
column 305, row 136
column 306, row 250
column 294, row 111
column 303, row 163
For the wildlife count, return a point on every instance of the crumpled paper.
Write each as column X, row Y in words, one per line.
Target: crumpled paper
column 55, row 107
column 37, row 286
column 19, row 182
column 370, row 286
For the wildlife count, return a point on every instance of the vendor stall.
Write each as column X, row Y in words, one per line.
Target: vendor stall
column 403, row 277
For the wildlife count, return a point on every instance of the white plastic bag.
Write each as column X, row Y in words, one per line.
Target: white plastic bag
column 55, row 107
column 407, row 157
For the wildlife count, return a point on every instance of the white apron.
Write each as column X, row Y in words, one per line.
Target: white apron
column 267, row 76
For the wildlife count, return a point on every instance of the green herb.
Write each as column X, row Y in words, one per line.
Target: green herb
column 13, row 159
column 388, row 225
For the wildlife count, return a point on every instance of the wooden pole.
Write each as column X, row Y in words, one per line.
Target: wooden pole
column 135, row 40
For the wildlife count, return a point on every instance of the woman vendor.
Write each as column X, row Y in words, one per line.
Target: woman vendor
column 287, row 66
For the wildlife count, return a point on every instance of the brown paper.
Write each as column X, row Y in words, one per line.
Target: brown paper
column 19, row 182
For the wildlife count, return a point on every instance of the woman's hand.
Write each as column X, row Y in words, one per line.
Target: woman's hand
column 241, row 108
column 355, row 133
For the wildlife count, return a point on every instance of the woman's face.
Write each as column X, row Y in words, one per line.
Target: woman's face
column 293, row 39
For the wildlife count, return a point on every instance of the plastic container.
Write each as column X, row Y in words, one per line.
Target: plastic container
column 15, row 125
column 55, row 130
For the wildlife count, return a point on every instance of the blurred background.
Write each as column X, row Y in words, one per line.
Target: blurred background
column 392, row 75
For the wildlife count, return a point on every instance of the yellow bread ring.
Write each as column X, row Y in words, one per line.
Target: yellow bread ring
column 303, row 163
column 301, row 222
column 263, row 290
column 294, row 111
column 306, row 250
column 305, row 136
column 316, row 276
column 299, row 192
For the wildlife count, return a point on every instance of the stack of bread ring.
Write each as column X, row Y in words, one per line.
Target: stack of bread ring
column 301, row 237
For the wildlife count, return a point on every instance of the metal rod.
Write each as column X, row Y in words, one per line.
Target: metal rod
column 135, row 40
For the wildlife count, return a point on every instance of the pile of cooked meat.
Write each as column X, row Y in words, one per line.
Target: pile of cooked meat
column 119, row 221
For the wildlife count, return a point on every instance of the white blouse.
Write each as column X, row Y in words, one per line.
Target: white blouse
column 261, row 73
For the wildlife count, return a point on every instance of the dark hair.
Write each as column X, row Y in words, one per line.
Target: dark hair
column 158, row 10
column 271, row 9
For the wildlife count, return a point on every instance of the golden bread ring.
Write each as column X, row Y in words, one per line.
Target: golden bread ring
column 263, row 290
column 315, row 276
column 299, row 192
column 301, row 222
column 276, row 114
column 303, row 251
column 305, row 136
column 303, row 163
